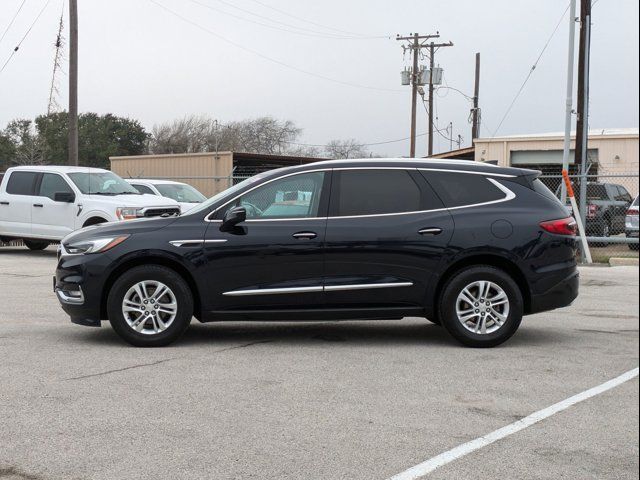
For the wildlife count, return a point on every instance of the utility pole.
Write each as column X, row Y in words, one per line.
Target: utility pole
column 583, row 94
column 432, row 55
column 73, row 83
column 569, row 100
column 416, row 43
column 475, row 113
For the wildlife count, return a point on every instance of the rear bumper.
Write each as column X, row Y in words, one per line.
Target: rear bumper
column 562, row 294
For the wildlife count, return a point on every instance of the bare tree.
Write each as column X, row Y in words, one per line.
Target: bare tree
column 203, row 134
column 27, row 145
column 345, row 149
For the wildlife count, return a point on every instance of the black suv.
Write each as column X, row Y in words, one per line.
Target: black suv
column 471, row 246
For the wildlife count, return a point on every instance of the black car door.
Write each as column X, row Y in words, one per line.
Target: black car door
column 386, row 233
column 274, row 259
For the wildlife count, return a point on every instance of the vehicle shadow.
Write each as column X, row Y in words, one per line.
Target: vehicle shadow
column 362, row 333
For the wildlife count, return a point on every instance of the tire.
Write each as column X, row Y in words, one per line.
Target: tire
column 496, row 331
column 146, row 331
column 36, row 245
column 605, row 231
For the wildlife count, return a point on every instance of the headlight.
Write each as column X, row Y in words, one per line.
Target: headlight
column 128, row 213
column 97, row 245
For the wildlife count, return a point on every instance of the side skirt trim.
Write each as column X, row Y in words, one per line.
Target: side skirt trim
column 315, row 288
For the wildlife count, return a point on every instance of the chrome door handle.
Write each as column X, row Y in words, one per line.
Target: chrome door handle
column 307, row 235
column 430, row 231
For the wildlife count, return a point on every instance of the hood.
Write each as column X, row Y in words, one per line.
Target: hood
column 129, row 227
column 143, row 200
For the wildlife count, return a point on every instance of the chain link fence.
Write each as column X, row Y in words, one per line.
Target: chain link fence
column 604, row 200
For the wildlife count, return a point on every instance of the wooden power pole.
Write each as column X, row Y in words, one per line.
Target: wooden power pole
column 416, row 43
column 475, row 114
column 73, row 83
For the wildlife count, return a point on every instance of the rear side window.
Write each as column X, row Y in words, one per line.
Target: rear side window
column 51, row 184
column 542, row 189
column 142, row 188
column 597, row 191
column 460, row 189
column 374, row 192
column 21, row 183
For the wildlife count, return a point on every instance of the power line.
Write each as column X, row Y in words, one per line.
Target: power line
column 265, row 57
column 308, row 21
column 533, row 67
column 12, row 20
column 385, row 142
column 17, row 47
column 288, row 27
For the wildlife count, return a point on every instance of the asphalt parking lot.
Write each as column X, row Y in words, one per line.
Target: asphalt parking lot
column 331, row 400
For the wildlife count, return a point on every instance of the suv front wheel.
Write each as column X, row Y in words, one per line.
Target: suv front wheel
column 481, row 306
column 150, row 306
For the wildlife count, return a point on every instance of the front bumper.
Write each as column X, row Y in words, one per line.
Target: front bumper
column 561, row 294
column 78, row 285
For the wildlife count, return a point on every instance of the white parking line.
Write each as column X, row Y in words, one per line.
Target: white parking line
column 430, row 465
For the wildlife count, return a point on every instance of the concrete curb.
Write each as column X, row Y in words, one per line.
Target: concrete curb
column 623, row 262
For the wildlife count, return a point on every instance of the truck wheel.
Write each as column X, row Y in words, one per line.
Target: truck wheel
column 150, row 306
column 605, row 231
column 36, row 244
column 481, row 306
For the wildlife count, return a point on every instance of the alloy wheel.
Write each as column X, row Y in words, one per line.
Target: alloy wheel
column 482, row 307
column 149, row 307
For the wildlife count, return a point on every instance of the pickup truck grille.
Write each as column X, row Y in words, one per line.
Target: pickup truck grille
column 158, row 212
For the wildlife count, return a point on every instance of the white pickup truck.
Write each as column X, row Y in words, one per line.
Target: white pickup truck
column 45, row 203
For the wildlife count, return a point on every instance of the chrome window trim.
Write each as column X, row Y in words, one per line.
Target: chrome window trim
column 315, row 288
column 207, row 219
column 509, row 195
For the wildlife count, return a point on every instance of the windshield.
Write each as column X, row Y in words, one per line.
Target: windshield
column 228, row 192
column 180, row 192
column 102, row 183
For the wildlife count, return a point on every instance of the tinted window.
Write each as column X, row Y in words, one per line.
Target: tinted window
column 371, row 192
column 142, row 188
column 459, row 189
column 596, row 191
column 52, row 183
column 542, row 189
column 21, row 183
column 297, row 196
column 623, row 195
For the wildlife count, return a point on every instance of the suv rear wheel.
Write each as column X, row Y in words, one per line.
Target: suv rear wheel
column 481, row 306
column 150, row 306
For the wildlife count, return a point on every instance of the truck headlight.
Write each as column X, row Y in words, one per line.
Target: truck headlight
column 97, row 245
column 128, row 213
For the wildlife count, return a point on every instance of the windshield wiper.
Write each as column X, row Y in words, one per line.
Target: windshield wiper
column 127, row 193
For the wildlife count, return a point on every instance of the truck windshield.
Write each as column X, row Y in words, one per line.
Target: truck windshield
column 102, row 183
column 180, row 192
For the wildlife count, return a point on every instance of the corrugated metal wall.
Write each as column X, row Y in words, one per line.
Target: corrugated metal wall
column 208, row 172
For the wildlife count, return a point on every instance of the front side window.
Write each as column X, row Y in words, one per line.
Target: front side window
column 142, row 188
column 51, row 184
column 458, row 189
column 374, row 192
column 180, row 192
column 297, row 196
column 102, row 183
column 21, row 183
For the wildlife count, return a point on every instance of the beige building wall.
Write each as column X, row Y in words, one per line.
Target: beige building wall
column 617, row 153
column 207, row 172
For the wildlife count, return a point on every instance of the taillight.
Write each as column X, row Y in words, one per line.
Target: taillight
column 632, row 211
column 564, row 226
column 592, row 210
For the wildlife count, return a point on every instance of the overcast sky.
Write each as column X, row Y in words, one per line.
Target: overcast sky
column 142, row 61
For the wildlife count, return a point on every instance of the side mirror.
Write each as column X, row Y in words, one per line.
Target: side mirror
column 66, row 197
column 233, row 217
